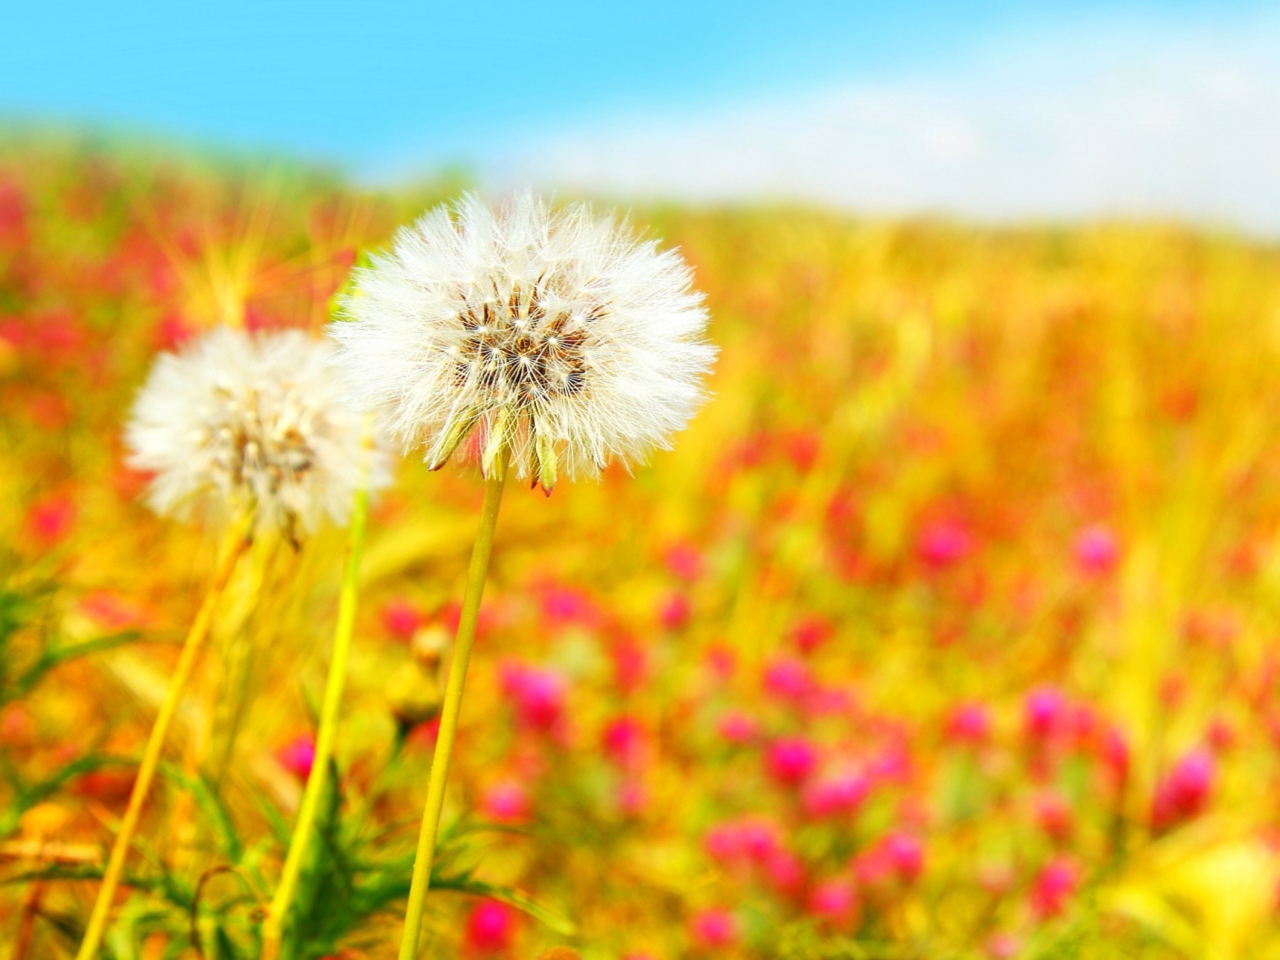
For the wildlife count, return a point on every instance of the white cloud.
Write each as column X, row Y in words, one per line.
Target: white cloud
column 1107, row 120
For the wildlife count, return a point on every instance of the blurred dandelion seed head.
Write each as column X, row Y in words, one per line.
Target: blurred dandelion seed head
column 555, row 335
column 257, row 422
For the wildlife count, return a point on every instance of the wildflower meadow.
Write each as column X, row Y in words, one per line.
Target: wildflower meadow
column 852, row 588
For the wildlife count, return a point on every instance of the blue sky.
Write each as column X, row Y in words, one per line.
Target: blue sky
column 585, row 91
column 321, row 79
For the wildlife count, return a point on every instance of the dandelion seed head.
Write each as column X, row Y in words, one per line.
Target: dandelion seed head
column 239, row 421
column 556, row 336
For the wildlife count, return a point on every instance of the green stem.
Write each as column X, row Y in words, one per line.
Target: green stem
column 452, row 704
column 273, row 926
column 237, row 542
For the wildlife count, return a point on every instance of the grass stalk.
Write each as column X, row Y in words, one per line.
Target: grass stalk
column 277, row 914
column 238, row 541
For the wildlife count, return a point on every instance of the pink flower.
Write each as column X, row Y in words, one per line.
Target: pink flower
column 566, row 605
column 969, row 723
column 1084, row 724
column 738, row 727
column 1185, row 790
column 675, row 611
column 811, row 633
column 632, row 796
column 1115, row 754
column 897, row 855
column 491, row 927
column 944, row 543
column 836, row 796
column 1097, row 550
column 685, row 562
column 760, row 838
column 788, row 679
column 401, row 618
column 906, row 855
column 1221, row 736
column 539, row 695
column 723, row 842
column 836, row 901
column 506, row 801
column 1055, row 816
column 50, row 520
column 624, row 742
column 1054, row 887
column 630, row 665
column 785, row 872
column 171, row 332
column 714, row 928
column 1044, row 712
column 722, row 661
column 791, row 760
column 298, row 755
column 1003, row 946
column 892, row 765
column 751, row 839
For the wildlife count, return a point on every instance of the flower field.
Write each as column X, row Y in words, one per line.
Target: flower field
column 948, row 629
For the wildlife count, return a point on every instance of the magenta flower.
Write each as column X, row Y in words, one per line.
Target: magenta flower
column 788, row 679
column 1185, row 790
column 630, row 664
column 624, row 742
column 791, row 760
column 675, row 612
column 491, row 927
column 835, row 796
column 685, row 561
column 1055, row 816
column 897, row 856
column 738, row 727
column 811, row 633
column 1054, row 886
column 836, row 901
column 50, row 520
column 401, row 618
column 1097, row 550
column 298, row 755
column 566, row 605
column 506, row 801
column 1044, row 712
column 785, row 872
column 969, row 723
column 944, row 543
column 539, row 695
column 714, row 928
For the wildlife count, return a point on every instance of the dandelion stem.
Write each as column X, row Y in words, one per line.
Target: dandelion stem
column 237, row 542
column 452, row 704
column 273, row 927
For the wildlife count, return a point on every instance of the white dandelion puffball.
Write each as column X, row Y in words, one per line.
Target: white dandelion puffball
column 555, row 337
column 253, row 422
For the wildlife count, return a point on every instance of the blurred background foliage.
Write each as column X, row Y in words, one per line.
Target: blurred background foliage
column 947, row 630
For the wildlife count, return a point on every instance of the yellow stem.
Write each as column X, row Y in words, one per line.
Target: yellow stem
column 277, row 914
column 238, row 541
column 452, row 705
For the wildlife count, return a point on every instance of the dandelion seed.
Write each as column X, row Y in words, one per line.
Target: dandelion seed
column 555, row 337
column 252, row 423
